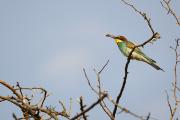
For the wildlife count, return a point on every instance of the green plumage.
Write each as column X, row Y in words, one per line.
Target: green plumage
column 126, row 47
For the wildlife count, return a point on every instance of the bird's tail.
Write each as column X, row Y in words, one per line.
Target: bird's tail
column 153, row 64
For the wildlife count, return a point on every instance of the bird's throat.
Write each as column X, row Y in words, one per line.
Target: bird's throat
column 118, row 41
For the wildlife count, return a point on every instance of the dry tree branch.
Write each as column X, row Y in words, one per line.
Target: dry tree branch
column 175, row 68
column 17, row 94
column 19, row 89
column 166, row 5
column 102, row 103
column 24, row 107
column 148, row 20
column 106, row 109
column 123, row 109
column 103, row 67
column 64, row 111
column 82, row 106
column 89, row 83
column 132, row 114
column 155, row 35
column 169, row 105
column 148, row 117
column 23, row 102
column 10, row 88
column 99, row 92
column 26, row 99
column 34, row 88
column 90, row 107
column 173, row 109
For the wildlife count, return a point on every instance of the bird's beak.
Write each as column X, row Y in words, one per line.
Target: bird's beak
column 110, row 35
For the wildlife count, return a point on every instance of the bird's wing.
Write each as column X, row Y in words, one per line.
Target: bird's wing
column 138, row 50
column 132, row 45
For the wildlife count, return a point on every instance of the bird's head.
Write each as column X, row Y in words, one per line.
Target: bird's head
column 118, row 39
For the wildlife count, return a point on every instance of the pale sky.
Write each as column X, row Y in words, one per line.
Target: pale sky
column 47, row 44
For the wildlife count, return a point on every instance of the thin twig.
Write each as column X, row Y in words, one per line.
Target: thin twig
column 100, row 92
column 173, row 108
column 19, row 88
column 89, row 83
column 166, row 5
column 169, row 105
column 82, row 106
column 103, row 67
column 142, row 14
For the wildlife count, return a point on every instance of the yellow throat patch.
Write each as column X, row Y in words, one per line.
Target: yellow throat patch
column 118, row 40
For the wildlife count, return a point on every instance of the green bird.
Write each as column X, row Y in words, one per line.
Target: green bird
column 126, row 46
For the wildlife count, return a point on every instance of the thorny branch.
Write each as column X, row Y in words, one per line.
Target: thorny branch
column 166, row 5
column 155, row 35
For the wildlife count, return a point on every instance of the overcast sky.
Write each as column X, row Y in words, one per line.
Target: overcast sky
column 47, row 43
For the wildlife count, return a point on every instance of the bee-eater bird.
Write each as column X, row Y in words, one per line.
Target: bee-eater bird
column 126, row 47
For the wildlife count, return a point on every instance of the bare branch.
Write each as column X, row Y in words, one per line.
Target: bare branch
column 148, row 117
column 29, row 110
column 170, row 108
column 99, row 92
column 10, row 88
column 90, row 107
column 82, row 106
column 173, row 108
column 41, row 102
column 166, row 5
column 89, row 83
column 148, row 20
column 103, row 67
column 19, row 88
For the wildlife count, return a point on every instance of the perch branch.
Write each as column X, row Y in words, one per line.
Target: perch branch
column 155, row 35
